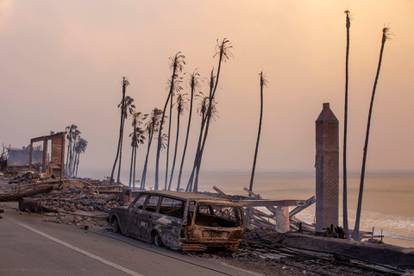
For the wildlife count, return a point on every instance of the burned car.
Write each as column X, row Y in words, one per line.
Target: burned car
column 181, row 221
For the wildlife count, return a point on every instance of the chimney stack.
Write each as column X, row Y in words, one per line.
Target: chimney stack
column 327, row 169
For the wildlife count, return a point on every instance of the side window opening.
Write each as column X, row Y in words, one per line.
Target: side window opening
column 152, row 203
column 172, row 207
column 139, row 203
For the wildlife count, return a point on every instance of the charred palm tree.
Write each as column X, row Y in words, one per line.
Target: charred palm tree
column 344, row 159
column 356, row 233
column 262, row 84
column 167, row 158
column 223, row 52
column 128, row 108
column 125, row 83
column 180, row 108
column 72, row 133
column 193, row 86
column 151, row 127
column 177, row 65
column 202, row 111
column 137, row 138
column 80, row 148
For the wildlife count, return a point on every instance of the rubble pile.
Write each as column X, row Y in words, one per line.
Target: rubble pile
column 77, row 201
column 263, row 249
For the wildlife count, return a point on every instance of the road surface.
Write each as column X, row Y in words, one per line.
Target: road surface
column 30, row 246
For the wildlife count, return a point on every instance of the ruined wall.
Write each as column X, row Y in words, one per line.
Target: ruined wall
column 20, row 157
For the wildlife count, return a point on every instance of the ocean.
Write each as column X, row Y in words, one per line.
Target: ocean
column 388, row 203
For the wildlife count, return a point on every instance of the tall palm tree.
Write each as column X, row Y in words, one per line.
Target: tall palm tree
column 137, row 138
column 167, row 158
column 262, row 84
column 180, row 108
column 125, row 83
column 193, row 86
column 177, row 65
column 128, row 108
column 151, row 127
column 356, row 233
column 223, row 51
column 344, row 159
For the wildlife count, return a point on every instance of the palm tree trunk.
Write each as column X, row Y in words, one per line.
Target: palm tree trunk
column 207, row 123
column 135, row 167
column 120, row 129
column 190, row 183
column 118, row 178
column 159, row 144
column 67, row 159
column 144, row 170
column 175, row 150
column 168, row 143
column 258, row 133
column 131, row 167
column 77, row 165
column 344, row 159
column 356, row 233
column 186, row 138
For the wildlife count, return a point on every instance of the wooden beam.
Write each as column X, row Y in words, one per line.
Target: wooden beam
column 264, row 203
column 299, row 209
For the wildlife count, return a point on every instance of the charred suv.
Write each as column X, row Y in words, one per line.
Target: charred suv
column 181, row 221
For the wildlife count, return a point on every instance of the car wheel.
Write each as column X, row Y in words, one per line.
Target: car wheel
column 115, row 225
column 157, row 240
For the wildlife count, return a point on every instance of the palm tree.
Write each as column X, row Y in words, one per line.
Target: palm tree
column 167, row 159
column 151, row 127
column 356, row 234
column 129, row 108
column 344, row 162
column 223, row 51
column 262, row 83
column 202, row 110
column 193, row 86
column 80, row 148
column 72, row 134
column 177, row 65
column 137, row 138
column 180, row 108
column 125, row 83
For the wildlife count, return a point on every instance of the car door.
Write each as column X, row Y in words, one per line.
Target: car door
column 135, row 215
column 149, row 214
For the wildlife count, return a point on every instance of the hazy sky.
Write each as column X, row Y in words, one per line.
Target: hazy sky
column 62, row 63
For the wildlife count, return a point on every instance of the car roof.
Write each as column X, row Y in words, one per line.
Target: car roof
column 189, row 196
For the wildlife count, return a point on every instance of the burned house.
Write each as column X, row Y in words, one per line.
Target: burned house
column 52, row 164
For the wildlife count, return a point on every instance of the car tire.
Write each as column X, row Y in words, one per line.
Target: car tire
column 156, row 240
column 115, row 225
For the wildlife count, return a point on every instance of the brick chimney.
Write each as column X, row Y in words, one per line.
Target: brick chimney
column 327, row 169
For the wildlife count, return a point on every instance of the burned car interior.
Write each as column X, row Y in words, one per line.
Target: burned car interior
column 217, row 216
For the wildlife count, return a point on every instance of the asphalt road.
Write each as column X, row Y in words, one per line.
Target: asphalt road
column 30, row 246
